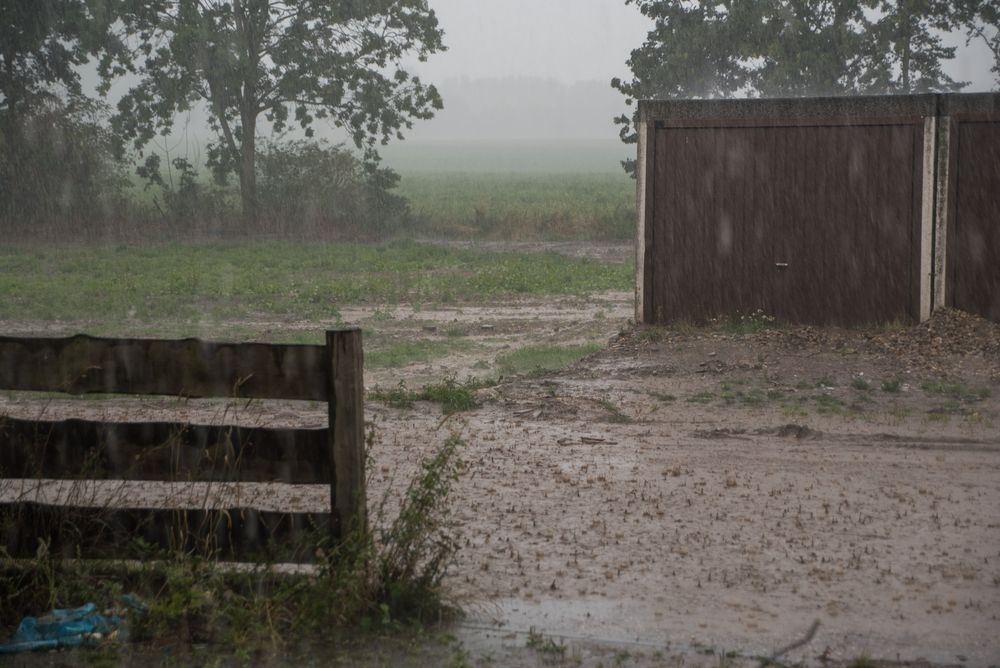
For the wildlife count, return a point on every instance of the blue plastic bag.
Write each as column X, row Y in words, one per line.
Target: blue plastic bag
column 63, row 627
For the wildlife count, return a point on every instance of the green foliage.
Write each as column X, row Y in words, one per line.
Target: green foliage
column 862, row 661
column 209, row 282
column 294, row 62
column 615, row 413
column 453, row 396
column 981, row 20
column 44, row 42
column 534, row 359
column 185, row 204
column 891, row 385
column 861, row 385
column 58, row 171
column 400, row 353
column 521, row 206
column 312, row 189
column 417, row 548
column 788, row 48
column 551, row 649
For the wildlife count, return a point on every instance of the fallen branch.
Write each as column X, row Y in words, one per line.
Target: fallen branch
column 810, row 634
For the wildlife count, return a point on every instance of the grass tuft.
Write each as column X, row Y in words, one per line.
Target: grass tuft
column 892, row 385
column 453, row 396
column 535, row 359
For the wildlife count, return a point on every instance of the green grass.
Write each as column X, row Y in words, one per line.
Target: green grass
column 551, row 649
column 705, row 397
column 861, row 385
column 533, row 359
column 196, row 285
column 955, row 390
column 521, row 206
column 892, row 385
column 752, row 397
column 615, row 414
column 400, row 353
column 451, row 394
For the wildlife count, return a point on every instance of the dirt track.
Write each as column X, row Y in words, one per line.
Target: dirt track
column 594, row 504
column 679, row 491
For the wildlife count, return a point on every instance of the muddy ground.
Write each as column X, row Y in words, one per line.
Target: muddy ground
column 686, row 493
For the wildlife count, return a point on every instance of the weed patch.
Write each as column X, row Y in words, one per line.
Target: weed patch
column 615, row 414
column 892, row 385
column 861, row 385
column 550, row 649
column 401, row 353
column 534, row 359
column 701, row 397
column 752, row 397
column 958, row 391
column 452, row 395
column 382, row 577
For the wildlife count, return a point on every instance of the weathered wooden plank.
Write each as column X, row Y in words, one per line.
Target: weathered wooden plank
column 235, row 534
column 162, row 451
column 347, row 427
column 186, row 367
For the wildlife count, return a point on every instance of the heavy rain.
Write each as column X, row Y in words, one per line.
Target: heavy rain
column 562, row 332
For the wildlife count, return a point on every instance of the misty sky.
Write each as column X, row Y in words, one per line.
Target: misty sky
column 567, row 40
column 576, row 40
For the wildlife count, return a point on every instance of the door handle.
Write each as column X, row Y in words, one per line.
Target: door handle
column 781, row 265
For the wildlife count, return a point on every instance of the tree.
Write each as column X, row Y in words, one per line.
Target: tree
column 311, row 58
column 981, row 21
column 39, row 48
column 55, row 164
column 769, row 48
column 58, row 172
column 909, row 44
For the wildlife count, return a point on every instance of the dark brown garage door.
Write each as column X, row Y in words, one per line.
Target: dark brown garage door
column 974, row 247
column 811, row 223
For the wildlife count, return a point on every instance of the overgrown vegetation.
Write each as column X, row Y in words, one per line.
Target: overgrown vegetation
column 58, row 172
column 385, row 576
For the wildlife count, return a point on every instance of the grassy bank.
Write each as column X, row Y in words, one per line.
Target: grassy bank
column 118, row 285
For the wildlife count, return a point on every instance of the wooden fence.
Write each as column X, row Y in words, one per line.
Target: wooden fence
column 171, row 452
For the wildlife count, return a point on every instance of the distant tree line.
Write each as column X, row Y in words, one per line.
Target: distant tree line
column 69, row 163
column 789, row 48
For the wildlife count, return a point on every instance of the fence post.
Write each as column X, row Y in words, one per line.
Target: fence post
column 347, row 428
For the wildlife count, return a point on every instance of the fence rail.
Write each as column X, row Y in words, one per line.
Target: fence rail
column 171, row 452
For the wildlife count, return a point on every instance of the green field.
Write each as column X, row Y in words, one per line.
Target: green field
column 478, row 205
column 511, row 156
column 177, row 283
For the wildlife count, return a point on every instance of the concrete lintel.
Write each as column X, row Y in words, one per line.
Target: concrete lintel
column 942, row 212
column 927, row 217
column 640, row 227
column 791, row 108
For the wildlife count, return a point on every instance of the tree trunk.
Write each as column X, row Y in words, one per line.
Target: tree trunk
column 248, row 172
column 248, row 60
